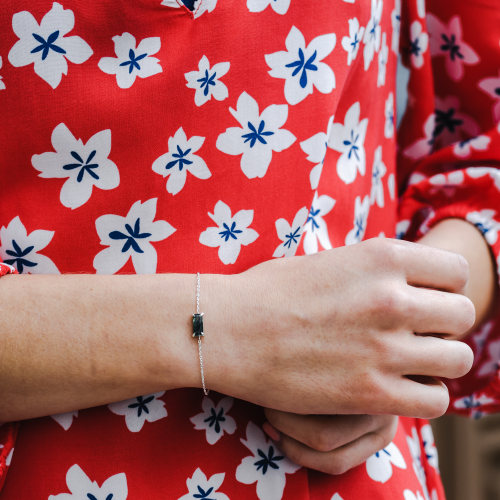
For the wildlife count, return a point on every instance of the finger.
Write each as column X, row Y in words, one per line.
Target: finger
column 430, row 267
column 433, row 311
column 434, row 357
column 416, row 397
column 325, row 432
column 341, row 459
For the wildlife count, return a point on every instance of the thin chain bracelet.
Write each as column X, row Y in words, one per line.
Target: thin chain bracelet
column 198, row 330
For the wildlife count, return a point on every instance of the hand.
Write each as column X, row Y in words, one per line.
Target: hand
column 331, row 444
column 334, row 333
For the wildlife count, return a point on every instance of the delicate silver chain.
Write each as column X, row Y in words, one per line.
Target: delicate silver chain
column 199, row 338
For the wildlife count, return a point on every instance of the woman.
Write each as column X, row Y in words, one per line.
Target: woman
column 249, row 135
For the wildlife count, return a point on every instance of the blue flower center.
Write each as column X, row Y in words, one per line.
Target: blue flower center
column 359, row 222
column 353, row 148
column 256, row 135
column 451, row 45
column 355, row 42
column 215, row 418
column 133, row 235
column 84, row 166
column 446, row 120
column 292, row 237
column 384, row 450
column 304, row 66
column 268, row 460
column 230, row 232
column 92, row 497
column 133, row 61
column 207, row 81
column 202, row 493
column 313, row 213
column 141, row 405
column 415, row 47
column 180, row 158
column 19, row 257
column 47, row 45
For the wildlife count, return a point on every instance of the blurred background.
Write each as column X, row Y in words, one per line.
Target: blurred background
column 469, row 456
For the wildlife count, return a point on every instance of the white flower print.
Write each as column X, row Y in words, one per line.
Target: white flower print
column 476, row 172
column 421, row 8
column 180, row 159
column 391, row 186
column 258, row 137
column 491, row 365
column 267, row 465
column 2, row 84
column 206, row 81
column 389, row 117
column 201, row 487
column 419, row 41
column 416, row 454
column 463, row 149
column 379, row 465
column 46, row 45
column 447, row 41
column 171, row 3
column 8, row 459
column 423, row 147
column 409, row 495
column 202, row 6
column 214, row 419
column 130, row 236
column 315, row 147
column 402, row 228
column 290, row 235
column 137, row 410
column 382, row 62
column 132, row 61
column 492, row 87
column 396, row 25
column 316, row 228
column 479, row 338
column 446, row 183
column 65, row 419
column 337, row 496
column 415, row 178
column 378, row 171
column 20, row 249
column 349, row 140
column 82, row 488
column 361, row 210
column 230, row 233
column 84, row 165
column 352, row 42
column 429, row 447
column 484, row 221
column 373, row 33
column 279, row 6
column 473, row 403
column 301, row 66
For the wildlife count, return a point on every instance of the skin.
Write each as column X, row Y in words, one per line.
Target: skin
column 335, row 444
column 328, row 334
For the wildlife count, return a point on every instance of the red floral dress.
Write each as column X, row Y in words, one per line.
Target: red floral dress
column 139, row 137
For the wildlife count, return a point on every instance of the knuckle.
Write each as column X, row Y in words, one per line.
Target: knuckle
column 323, row 440
column 464, row 357
column 337, row 466
column 391, row 301
column 462, row 271
column 387, row 252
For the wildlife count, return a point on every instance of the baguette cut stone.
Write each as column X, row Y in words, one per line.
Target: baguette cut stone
column 198, row 325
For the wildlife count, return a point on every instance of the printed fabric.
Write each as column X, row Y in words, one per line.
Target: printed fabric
column 142, row 137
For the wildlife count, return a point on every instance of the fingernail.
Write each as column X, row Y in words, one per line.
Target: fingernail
column 271, row 431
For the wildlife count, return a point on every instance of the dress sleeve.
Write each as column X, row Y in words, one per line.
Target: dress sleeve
column 8, row 431
column 449, row 150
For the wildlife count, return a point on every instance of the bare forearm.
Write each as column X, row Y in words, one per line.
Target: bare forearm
column 77, row 341
column 462, row 237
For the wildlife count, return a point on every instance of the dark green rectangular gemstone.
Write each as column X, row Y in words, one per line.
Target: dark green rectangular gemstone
column 198, row 325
